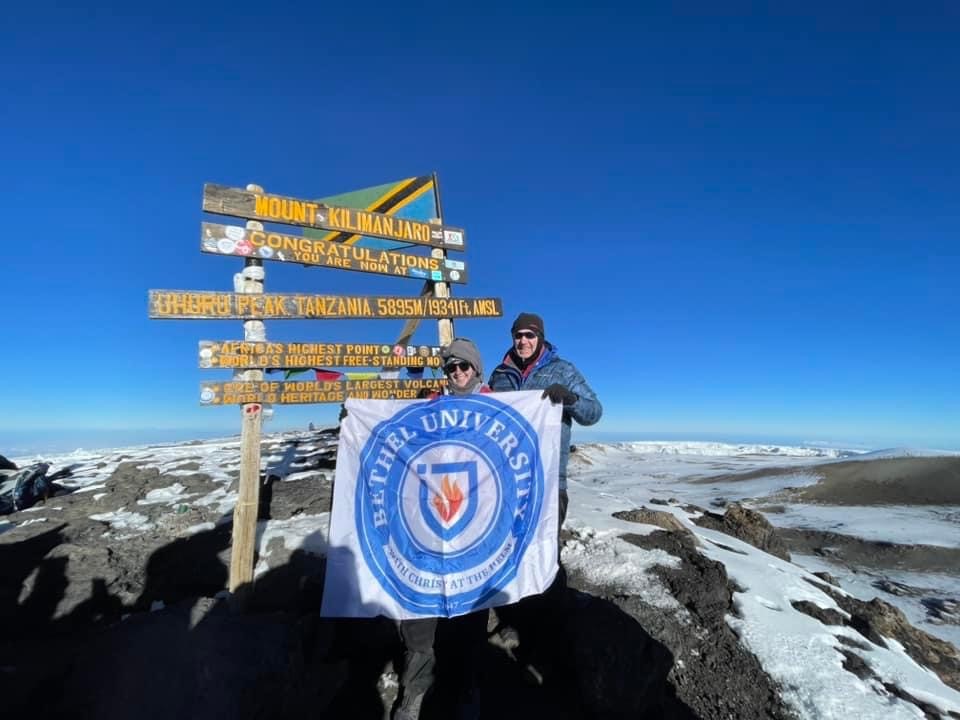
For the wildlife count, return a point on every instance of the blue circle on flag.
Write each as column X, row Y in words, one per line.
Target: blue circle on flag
column 448, row 498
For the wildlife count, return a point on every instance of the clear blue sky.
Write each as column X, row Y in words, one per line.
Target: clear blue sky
column 736, row 221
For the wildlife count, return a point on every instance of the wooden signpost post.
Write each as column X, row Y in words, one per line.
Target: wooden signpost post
column 250, row 357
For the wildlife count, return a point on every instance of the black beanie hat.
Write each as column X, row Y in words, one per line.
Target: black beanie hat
column 529, row 321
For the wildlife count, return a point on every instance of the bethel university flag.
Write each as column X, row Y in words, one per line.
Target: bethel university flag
column 442, row 507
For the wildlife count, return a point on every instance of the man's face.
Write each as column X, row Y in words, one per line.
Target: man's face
column 525, row 343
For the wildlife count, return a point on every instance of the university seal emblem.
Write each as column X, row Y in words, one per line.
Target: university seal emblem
column 448, row 496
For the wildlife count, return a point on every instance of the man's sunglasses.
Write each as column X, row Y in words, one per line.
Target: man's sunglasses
column 462, row 365
column 526, row 334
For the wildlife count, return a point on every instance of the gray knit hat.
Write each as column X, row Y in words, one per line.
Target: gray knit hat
column 463, row 349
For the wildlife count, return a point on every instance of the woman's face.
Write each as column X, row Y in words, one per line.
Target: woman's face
column 460, row 373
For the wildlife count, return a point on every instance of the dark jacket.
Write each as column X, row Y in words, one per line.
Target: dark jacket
column 550, row 368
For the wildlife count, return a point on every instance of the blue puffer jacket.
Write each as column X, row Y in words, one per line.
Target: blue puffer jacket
column 550, row 368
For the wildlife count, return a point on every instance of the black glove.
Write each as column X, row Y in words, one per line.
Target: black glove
column 559, row 394
column 343, row 413
column 424, row 393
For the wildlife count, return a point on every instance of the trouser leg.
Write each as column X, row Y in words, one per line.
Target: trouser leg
column 419, row 659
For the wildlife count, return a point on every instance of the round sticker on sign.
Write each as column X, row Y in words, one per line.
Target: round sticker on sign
column 235, row 233
column 449, row 495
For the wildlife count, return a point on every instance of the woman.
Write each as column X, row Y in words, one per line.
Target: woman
column 464, row 371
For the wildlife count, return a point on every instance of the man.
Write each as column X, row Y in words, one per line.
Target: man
column 464, row 371
column 532, row 363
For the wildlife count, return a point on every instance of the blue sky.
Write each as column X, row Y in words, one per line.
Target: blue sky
column 737, row 222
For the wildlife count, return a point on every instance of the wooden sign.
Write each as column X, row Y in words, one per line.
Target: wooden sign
column 300, row 392
column 190, row 304
column 223, row 200
column 244, row 355
column 235, row 240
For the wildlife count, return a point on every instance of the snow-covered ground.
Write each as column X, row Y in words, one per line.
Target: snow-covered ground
column 797, row 650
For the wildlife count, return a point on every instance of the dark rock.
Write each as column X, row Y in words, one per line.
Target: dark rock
column 895, row 588
column 7, row 464
column 876, row 619
column 773, row 509
column 659, row 501
column 857, row 552
column 855, row 664
column 747, row 525
column 622, row 669
column 827, row 577
column 700, row 585
column 850, row 642
column 660, row 518
column 713, row 674
column 828, row 616
column 942, row 610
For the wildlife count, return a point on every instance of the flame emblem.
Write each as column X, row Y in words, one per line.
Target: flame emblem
column 450, row 501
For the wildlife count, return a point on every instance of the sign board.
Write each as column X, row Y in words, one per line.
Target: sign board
column 415, row 198
column 196, row 304
column 223, row 200
column 298, row 392
column 234, row 240
column 245, row 355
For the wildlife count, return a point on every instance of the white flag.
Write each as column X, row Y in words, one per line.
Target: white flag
column 442, row 507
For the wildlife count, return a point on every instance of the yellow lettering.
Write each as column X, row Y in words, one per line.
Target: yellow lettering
column 275, row 306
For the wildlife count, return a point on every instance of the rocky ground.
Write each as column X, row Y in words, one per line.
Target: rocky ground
column 114, row 605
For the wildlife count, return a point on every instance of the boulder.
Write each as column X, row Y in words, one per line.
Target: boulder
column 747, row 525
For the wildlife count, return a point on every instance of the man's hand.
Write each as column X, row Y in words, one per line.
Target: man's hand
column 559, row 394
column 343, row 413
column 424, row 393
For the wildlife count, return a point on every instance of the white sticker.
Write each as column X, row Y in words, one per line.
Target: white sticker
column 453, row 237
column 206, row 395
column 455, row 264
column 235, row 233
column 454, row 274
column 226, row 246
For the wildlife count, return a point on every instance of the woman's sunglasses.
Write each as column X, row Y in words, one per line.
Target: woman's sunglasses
column 462, row 365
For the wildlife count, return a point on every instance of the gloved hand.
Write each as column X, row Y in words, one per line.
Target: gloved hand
column 424, row 393
column 343, row 413
column 559, row 394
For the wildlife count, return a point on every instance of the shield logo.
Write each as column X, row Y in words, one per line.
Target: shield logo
column 448, row 496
